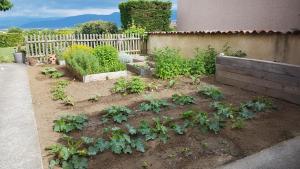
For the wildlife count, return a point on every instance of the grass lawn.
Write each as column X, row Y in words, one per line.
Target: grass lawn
column 6, row 54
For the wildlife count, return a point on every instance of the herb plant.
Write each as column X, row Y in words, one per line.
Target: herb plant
column 212, row 92
column 69, row 123
column 58, row 91
column 182, row 99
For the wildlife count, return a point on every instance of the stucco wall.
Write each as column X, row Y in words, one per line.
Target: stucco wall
column 224, row 15
column 273, row 47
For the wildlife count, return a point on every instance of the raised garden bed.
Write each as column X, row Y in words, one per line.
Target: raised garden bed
column 99, row 76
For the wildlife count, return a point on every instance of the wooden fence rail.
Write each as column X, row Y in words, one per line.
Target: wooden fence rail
column 41, row 46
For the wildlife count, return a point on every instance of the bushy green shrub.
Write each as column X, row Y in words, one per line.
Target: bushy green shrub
column 14, row 30
column 204, row 62
column 11, row 39
column 133, row 29
column 97, row 27
column 169, row 63
column 152, row 15
column 86, row 60
column 108, row 59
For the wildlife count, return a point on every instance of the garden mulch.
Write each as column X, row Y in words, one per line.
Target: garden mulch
column 192, row 150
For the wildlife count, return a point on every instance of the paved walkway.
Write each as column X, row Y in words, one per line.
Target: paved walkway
column 19, row 145
column 285, row 155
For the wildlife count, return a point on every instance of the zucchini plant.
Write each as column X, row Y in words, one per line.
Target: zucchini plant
column 223, row 110
column 72, row 154
column 154, row 105
column 182, row 99
column 151, row 133
column 212, row 92
column 117, row 113
column 52, row 73
column 69, row 123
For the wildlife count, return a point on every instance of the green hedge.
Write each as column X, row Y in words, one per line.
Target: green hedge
column 11, row 39
column 151, row 15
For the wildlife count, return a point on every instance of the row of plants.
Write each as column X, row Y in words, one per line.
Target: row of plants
column 85, row 60
column 74, row 152
column 169, row 63
column 58, row 93
column 52, row 72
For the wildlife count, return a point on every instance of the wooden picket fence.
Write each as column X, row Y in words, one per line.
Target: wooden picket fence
column 41, row 46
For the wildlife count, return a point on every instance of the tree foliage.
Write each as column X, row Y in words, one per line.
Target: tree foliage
column 5, row 5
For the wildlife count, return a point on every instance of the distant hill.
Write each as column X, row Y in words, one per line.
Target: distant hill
column 59, row 22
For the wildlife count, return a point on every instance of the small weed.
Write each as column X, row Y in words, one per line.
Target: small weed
column 171, row 83
column 238, row 123
column 94, row 98
column 68, row 101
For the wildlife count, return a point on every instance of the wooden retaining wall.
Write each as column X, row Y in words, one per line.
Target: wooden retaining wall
column 278, row 80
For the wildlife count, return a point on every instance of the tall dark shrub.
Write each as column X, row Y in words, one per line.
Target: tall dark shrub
column 152, row 15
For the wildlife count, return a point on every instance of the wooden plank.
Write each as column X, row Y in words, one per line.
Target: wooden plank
column 274, row 77
column 260, row 89
column 259, row 82
column 266, row 66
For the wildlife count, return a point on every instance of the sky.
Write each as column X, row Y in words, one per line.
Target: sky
column 62, row 8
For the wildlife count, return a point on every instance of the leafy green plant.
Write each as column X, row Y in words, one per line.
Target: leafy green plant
column 58, row 91
column 154, row 105
column 135, row 85
column 179, row 129
column 258, row 104
column 182, row 99
column 52, row 72
column 69, row 123
column 195, row 79
column 152, row 86
column 169, row 63
column 223, row 110
column 120, row 142
column 238, row 123
column 117, row 113
column 71, row 155
column 216, row 123
column 158, row 131
column 96, row 146
column 204, row 62
column 212, row 92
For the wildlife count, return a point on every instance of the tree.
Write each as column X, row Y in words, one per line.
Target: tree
column 5, row 5
column 14, row 30
column 97, row 27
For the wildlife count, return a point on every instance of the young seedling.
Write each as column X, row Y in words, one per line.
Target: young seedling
column 94, row 98
column 68, row 101
column 182, row 99
column 171, row 83
column 52, row 72
column 212, row 92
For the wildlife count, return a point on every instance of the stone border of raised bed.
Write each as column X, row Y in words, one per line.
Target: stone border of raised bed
column 139, row 71
column 99, row 76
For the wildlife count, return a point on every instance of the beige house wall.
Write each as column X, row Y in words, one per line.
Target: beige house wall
column 273, row 47
column 224, row 15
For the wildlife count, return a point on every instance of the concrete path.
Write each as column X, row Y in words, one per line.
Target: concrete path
column 285, row 155
column 19, row 145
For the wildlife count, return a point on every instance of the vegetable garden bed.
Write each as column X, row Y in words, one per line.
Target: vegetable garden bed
column 190, row 148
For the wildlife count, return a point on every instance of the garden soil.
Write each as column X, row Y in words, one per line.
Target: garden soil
column 193, row 150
